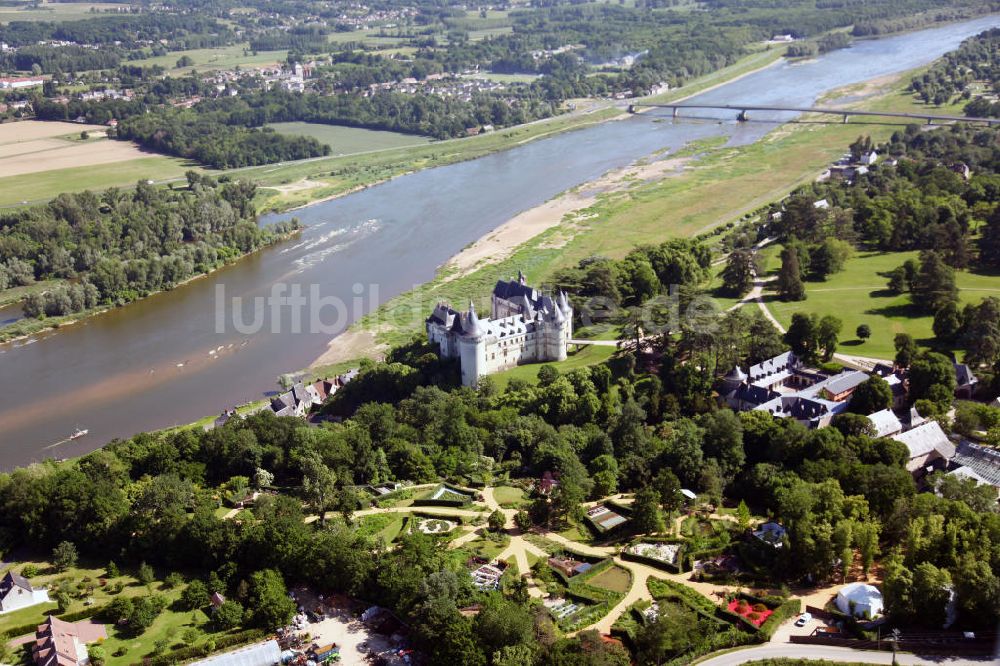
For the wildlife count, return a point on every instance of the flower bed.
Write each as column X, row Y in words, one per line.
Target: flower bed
column 755, row 614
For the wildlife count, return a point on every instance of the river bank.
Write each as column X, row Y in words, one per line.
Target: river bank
column 625, row 207
column 294, row 186
column 150, row 365
column 25, row 329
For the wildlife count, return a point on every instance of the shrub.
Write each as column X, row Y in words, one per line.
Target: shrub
column 29, row 571
column 759, row 608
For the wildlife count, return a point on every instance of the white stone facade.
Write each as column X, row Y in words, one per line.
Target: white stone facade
column 525, row 326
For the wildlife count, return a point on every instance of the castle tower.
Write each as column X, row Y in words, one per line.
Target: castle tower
column 472, row 348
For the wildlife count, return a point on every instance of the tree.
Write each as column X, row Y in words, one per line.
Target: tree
column 863, row 332
column 64, row 556
column 319, row 484
column 228, row 615
column 646, row 516
column 523, row 520
column 801, row 335
column 906, row 349
column 263, row 478
column 146, row 575
column 269, row 605
column 934, row 286
column 931, row 592
column 829, row 257
column 502, row 623
column 947, row 322
column 827, row 332
column 669, row 488
column 112, row 571
column 738, row 275
column 932, row 377
column 790, row 287
column 195, row 596
column 743, row 516
column 872, row 395
column 496, row 521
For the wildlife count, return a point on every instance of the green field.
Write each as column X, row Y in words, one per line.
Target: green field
column 43, row 186
column 509, row 496
column 350, row 140
column 386, row 526
column 226, row 57
column 614, row 579
column 858, row 295
column 53, row 11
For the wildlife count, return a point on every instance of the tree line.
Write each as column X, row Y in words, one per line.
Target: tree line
column 116, row 246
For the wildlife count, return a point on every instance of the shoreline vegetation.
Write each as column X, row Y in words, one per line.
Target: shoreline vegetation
column 574, row 224
column 277, row 194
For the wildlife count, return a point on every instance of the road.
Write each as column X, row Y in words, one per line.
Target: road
column 823, row 652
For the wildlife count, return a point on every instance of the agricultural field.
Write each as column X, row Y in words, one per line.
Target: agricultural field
column 350, row 140
column 862, row 286
column 52, row 11
column 39, row 160
column 226, row 57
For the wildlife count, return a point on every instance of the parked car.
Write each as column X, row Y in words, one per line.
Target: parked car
column 803, row 619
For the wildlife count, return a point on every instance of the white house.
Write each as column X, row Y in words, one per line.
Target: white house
column 860, row 600
column 16, row 593
column 927, row 445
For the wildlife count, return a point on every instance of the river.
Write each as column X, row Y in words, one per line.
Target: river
column 166, row 360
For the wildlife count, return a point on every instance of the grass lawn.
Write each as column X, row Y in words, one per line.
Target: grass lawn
column 509, row 496
column 586, row 356
column 486, row 547
column 46, row 185
column 350, row 140
column 613, row 579
column 858, row 295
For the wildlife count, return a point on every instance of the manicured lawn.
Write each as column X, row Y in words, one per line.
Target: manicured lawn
column 858, row 295
column 614, row 579
column 509, row 496
column 350, row 140
column 587, row 356
column 486, row 548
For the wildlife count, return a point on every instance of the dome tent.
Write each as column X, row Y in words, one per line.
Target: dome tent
column 860, row 600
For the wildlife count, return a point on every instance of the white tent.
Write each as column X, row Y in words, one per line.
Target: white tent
column 860, row 600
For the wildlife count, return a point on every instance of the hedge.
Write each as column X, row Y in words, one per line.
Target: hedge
column 192, row 652
column 692, row 598
column 453, row 504
column 32, row 627
column 788, row 609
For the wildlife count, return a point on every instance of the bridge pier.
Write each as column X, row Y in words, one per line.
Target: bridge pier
column 846, row 117
column 677, row 112
column 930, row 121
column 743, row 117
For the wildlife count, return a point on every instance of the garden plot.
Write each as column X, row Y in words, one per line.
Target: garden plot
column 436, row 525
column 562, row 608
column 662, row 552
column 604, row 519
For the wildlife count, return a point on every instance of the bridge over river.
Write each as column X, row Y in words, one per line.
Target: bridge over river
column 745, row 109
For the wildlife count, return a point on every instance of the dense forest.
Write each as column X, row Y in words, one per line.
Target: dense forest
column 977, row 60
column 115, row 246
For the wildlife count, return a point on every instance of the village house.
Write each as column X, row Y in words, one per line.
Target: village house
column 886, row 423
column 61, row 643
column 929, row 448
column 787, row 388
column 977, row 462
column 17, row 592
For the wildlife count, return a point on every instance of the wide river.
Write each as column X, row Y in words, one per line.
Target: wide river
column 178, row 356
